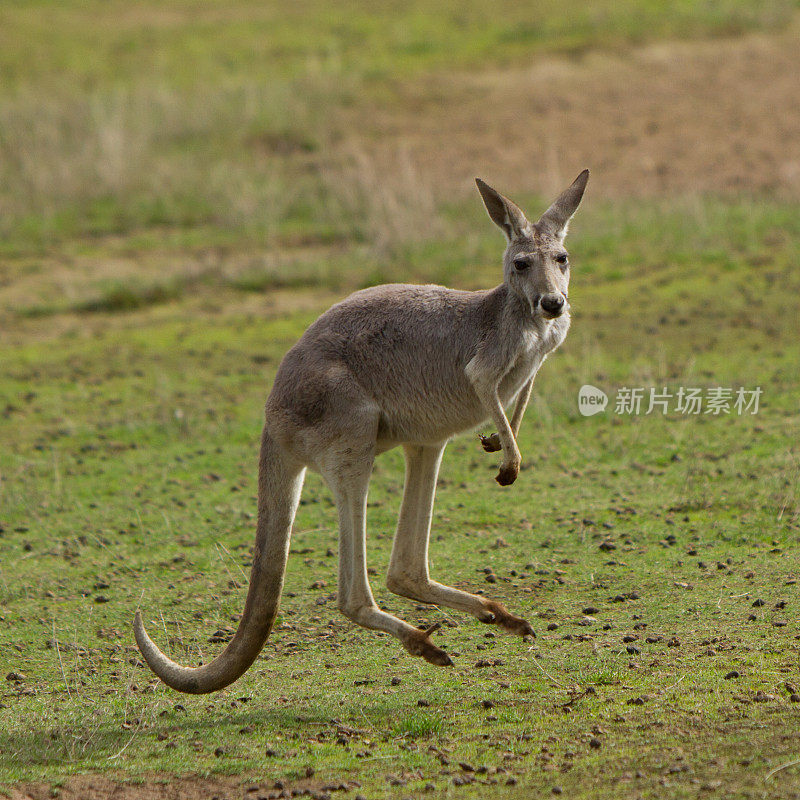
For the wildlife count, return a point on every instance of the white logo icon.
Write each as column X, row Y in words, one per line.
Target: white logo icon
column 591, row 400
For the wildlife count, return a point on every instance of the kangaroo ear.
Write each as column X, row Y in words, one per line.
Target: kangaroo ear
column 504, row 213
column 556, row 219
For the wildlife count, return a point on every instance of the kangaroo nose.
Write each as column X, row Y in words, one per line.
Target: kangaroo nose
column 553, row 304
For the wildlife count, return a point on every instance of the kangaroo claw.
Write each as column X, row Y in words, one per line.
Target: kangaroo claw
column 491, row 444
column 508, row 621
column 507, row 475
column 419, row 644
column 433, row 655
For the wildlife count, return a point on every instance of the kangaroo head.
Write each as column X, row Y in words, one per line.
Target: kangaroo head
column 535, row 263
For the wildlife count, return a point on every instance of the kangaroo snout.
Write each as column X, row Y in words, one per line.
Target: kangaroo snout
column 552, row 304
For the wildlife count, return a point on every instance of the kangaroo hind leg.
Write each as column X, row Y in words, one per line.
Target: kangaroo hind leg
column 408, row 567
column 347, row 471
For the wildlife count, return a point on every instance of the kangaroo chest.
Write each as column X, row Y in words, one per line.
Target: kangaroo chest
column 535, row 345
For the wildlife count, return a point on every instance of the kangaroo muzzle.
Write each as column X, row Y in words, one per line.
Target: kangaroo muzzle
column 552, row 304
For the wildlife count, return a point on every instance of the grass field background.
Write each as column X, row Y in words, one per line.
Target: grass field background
column 183, row 189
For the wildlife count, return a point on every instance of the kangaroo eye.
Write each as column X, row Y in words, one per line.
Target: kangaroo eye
column 521, row 263
column 561, row 258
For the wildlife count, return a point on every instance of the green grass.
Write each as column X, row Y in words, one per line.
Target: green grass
column 130, row 480
column 190, row 43
column 177, row 203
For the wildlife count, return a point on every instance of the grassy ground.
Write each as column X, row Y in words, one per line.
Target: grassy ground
column 140, row 333
column 128, row 462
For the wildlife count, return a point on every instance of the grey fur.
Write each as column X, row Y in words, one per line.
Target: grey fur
column 397, row 365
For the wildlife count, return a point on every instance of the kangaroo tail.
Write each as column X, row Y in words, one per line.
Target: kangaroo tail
column 278, row 495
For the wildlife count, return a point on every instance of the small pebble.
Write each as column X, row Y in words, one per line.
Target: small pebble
column 635, row 701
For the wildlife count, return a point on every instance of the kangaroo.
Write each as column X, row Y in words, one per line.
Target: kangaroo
column 397, row 365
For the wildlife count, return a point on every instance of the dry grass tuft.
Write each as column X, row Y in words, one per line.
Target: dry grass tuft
column 391, row 206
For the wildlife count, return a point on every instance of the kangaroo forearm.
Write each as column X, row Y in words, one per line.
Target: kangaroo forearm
column 507, row 437
column 492, row 443
column 522, row 404
column 508, row 440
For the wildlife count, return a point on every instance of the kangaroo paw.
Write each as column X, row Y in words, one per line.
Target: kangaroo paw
column 507, row 475
column 419, row 644
column 491, row 444
column 508, row 621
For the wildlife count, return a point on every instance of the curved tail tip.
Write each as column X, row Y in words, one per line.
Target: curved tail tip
column 140, row 634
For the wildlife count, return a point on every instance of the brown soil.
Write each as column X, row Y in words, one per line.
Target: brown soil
column 99, row 787
column 719, row 117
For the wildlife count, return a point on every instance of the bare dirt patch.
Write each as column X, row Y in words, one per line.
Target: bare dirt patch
column 100, row 787
column 718, row 117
